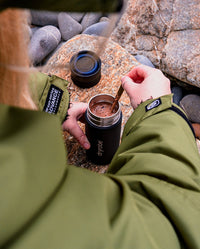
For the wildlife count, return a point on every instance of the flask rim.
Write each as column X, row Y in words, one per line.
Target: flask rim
column 103, row 121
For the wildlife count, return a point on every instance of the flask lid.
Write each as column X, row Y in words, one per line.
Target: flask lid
column 85, row 69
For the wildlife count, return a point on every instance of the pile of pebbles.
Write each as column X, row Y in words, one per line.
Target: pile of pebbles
column 50, row 30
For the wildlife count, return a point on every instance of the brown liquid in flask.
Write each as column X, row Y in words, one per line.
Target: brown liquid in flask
column 103, row 128
column 102, row 109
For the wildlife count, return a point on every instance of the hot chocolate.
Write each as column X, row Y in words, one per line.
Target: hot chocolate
column 102, row 109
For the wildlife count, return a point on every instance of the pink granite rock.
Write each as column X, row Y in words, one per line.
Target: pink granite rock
column 167, row 32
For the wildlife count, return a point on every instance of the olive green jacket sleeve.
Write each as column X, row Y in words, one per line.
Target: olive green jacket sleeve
column 159, row 160
column 50, row 94
column 150, row 197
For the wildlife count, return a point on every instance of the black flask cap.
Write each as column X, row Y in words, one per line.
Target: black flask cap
column 85, row 69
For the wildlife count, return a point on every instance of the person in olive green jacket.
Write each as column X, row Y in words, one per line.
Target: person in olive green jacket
column 150, row 197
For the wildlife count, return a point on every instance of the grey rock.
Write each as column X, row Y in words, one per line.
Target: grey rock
column 43, row 18
column 144, row 60
column 178, row 94
column 89, row 19
column 76, row 16
column 43, row 41
column 33, row 30
column 104, row 19
column 68, row 26
column 48, row 57
column 190, row 104
column 98, row 29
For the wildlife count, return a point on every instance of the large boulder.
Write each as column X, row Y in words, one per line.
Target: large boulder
column 167, row 32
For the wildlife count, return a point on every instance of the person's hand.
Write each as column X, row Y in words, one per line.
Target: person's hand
column 75, row 113
column 143, row 83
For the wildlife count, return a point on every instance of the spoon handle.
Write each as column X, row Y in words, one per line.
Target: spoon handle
column 117, row 97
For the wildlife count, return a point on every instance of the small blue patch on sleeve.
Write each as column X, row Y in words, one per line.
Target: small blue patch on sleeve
column 153, row 105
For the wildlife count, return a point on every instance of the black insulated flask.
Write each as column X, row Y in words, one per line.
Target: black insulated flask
column 103, row 130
